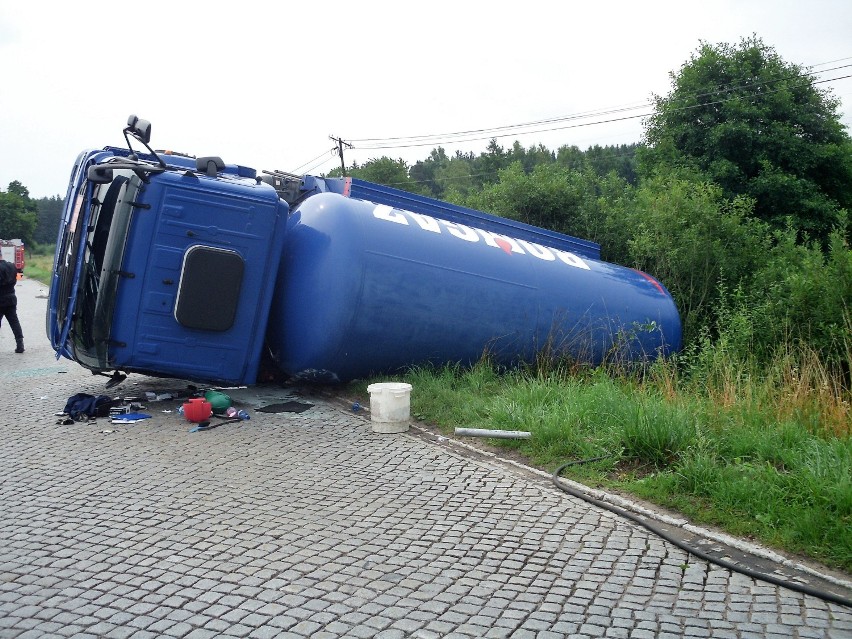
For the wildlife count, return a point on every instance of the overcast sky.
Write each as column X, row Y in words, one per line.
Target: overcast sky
column 265, row 84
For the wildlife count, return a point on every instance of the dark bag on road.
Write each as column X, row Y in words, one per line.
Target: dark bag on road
column 82, row 406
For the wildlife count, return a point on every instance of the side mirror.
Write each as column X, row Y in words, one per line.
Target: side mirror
column 99, row 174
column 139, row 129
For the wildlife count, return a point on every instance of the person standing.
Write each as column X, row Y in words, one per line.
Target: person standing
column 9, row 301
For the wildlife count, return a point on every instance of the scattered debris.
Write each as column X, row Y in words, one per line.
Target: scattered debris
column 127, row 409
column 129, row 418
column 154, row 397
column 497, row 434
column 130, row 407
column 286, row 407
column 202, row 426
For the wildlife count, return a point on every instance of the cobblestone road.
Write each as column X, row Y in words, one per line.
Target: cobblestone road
column 310, row 525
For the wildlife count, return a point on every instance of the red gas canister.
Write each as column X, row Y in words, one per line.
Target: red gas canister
column 197, row 409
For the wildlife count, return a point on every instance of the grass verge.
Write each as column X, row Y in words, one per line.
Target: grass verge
column 39, row 265
column 754, row 465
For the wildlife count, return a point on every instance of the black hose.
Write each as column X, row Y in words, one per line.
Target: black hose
column 814, row 592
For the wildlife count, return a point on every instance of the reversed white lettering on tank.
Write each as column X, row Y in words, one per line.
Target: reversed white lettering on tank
column 507, row 244
column 461, row 231
column 385, row 212
column 570, row 259
column 500, row 241
column 537, row 250
column 425, row 222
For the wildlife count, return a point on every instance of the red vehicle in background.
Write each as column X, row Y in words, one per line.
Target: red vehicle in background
column 13, row 252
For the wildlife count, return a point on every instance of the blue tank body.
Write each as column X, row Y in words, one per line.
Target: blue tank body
column 366, row 288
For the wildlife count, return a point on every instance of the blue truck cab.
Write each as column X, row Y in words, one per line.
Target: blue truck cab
column 165, row 265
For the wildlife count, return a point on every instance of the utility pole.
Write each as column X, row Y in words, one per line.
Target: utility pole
column 340, row 144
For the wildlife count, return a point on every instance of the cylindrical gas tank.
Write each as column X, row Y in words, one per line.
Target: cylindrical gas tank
column 366, row 289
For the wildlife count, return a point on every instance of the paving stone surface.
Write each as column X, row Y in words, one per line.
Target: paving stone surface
column 311, row 525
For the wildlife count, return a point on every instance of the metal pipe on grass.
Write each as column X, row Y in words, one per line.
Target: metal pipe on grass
column 498, row 434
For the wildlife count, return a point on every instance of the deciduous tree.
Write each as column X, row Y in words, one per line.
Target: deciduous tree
column 757, row 126
column 17, row 214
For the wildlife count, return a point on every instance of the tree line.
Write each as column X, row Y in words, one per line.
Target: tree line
column 736, row 198
column 35, row 221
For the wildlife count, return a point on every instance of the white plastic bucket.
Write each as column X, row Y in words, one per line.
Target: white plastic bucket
column 390, row 407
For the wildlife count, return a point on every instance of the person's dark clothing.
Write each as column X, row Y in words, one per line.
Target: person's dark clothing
column 9, row 302
column 8, row 279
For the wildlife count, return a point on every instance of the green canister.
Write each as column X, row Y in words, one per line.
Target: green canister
column 219, row 402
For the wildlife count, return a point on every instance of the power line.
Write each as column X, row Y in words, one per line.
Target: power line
column 685, row 108
column 518, row 129
column 509, row 126
column 296, row 170
column 506, row 135
column 541, row 126
column 315, row 167
column 819, row 64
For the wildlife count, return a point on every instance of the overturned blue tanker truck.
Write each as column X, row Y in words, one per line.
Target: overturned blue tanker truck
column 184, row 267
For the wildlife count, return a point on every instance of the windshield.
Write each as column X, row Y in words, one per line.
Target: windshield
column 103, row 251
column 66, row 258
